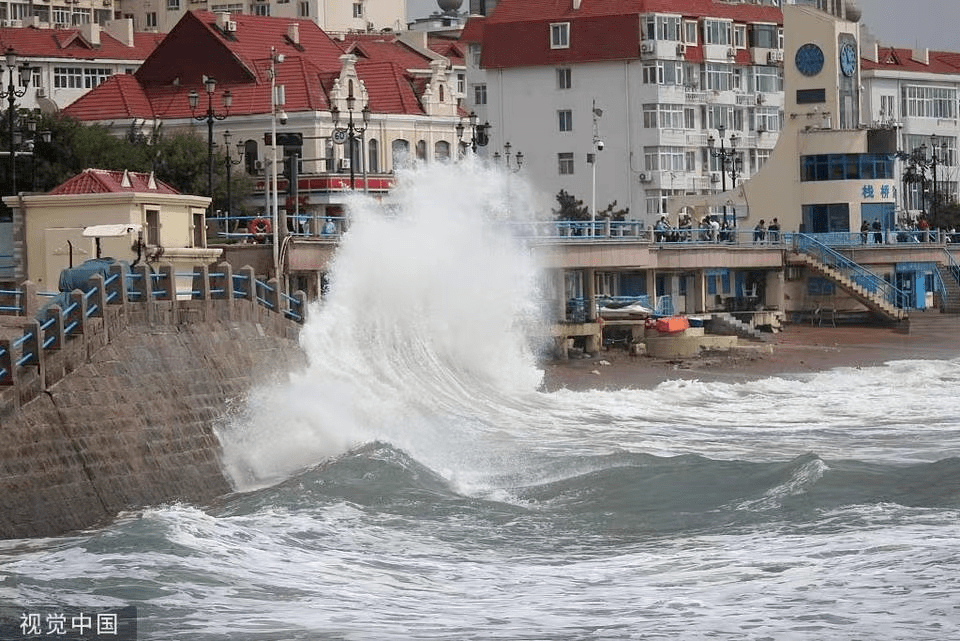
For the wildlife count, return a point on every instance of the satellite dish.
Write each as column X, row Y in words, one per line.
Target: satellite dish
column 449, row 6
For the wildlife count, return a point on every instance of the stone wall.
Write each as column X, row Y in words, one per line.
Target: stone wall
column 128, row 421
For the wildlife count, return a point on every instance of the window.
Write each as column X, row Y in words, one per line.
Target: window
column 717, row 32
column 690, row 118
column 357, row 9
column 68, row 78
column 690, row 32
column 198, row 228
column 151, row 20
column 461, row 83
column 740, row 36
column 153, row 227
column 261, row 9
column 560, row 35
column 768, row 119
column 475, row 55
column 760, row 158
column 400, row 151
column 913, row 141
column 821, row 219
column 888, row 108
column 93, row 77
column 373, row 153
column 421, row 150
column 663, row 72
column 565, row 160
column 664, row 159
column 820, row 167
column 441, row 150
column 565, row 118
column 664, row 116
column 768, row 79
column 729, row 117
column 662, row 28
column 564, row 78
column 173, row 5
column 718, row 76
column 929, row 102
column 303, row 10
column 764, row 36
column 480, row 94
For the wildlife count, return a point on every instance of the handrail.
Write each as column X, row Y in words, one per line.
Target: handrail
column 91, row 300
column 851, row 270
column 953, row 265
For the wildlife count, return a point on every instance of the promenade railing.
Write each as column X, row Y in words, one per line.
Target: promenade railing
column 64, row 318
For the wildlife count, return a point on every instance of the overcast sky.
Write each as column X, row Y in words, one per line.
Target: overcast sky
column 902, row 23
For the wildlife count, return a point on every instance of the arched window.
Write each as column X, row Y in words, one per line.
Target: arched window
column 441, row 150
column 373, row 154
column 421, row 150
column 400, row 151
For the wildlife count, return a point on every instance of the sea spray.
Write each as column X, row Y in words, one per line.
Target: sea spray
column 432, row 302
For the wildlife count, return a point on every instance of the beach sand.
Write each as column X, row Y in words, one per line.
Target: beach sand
column 798, row 349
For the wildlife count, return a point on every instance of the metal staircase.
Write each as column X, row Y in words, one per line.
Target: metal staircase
column 874, row 292
column 950, row 278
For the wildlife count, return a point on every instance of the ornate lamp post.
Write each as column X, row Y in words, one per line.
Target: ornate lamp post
column 506, row 156
column 727, row 157
column 229, row 163
column 479, row 136
column 11, row 94
column 351, row 133
column 210, row 86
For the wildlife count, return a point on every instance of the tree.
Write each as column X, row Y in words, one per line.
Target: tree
column 571, row 208
column 612, row 214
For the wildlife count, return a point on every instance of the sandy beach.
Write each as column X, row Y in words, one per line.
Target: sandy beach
column 798, row 349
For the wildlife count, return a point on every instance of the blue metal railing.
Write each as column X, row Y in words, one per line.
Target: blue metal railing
column 69, row 317
column 848, row 268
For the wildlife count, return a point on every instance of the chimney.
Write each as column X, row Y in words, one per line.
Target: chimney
column 921, row 55
column 223, row 17
column 91, row 33
column 576, row 4
column 293, row 32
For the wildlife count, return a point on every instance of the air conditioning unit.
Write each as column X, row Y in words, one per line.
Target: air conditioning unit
column 259, row 165
column 647, row 47
column 41, row 92
column 645, row 177
column 230, row 26
column 714, row 178
column 345, row 163
column 681, row 49
column 775, row 56
column 731, row 53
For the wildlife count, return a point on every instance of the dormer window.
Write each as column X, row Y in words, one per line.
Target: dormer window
column 560, row 35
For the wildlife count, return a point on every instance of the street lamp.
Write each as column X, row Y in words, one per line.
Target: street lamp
column 229, row 163
column 728, row 157
column 934, row 160
column 11, row 94
column 506, row 156
column 351, row 133
column 479, row 136
column 210, row 85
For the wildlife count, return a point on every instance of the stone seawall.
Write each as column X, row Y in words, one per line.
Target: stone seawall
column 129, row 421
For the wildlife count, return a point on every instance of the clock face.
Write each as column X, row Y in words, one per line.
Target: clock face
column 848, row 59
column 809, row 59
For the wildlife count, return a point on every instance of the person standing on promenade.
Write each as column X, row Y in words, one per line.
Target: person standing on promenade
column 774, row 230
column 864, row 231
column 760, row 231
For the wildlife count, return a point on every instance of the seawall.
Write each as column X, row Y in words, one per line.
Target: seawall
column 129, row 421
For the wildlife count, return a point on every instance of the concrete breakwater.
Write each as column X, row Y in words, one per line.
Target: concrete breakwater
column 129, row 421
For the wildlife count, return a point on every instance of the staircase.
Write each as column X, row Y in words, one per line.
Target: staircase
column 862, row 284
column 949, row 277
column 726, row 323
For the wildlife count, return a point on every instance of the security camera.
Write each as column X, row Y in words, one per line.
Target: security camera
column 599, row 145
column 283, row 117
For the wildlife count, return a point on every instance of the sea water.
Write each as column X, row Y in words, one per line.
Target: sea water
column 413, row 482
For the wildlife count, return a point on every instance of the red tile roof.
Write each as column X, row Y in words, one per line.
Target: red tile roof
column 67, row 43
column 517, row 33
column 103, row 181
column 473, row 31
column 894, row 59
column 240, row 62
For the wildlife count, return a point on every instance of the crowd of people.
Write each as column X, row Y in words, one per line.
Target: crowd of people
column 711, row 229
